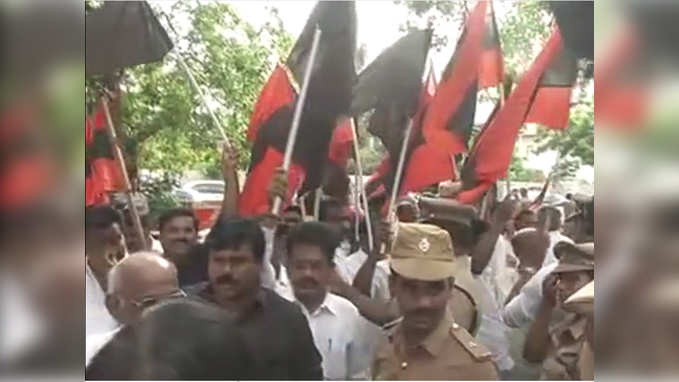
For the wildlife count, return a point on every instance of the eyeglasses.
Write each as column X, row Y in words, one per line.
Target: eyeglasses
column 149, row 301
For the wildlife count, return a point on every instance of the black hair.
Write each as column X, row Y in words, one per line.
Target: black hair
column 523, row 212
column 100, row 217
column 293, row 208
column 326, row 205
column 168, row 215
column 234, row 233
column 554, row 214
column 182, row 339
column 314, row 233
column 523, row 191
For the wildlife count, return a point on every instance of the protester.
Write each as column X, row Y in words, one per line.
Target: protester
column 178, row 229
column 236, row 253
column 556, row 337
column 335, row 322
column 104, row 247
column 427, row 343
column 554, row 225
column 136, row 283
column 582, row 302
column 176, row 340
column 525, row 219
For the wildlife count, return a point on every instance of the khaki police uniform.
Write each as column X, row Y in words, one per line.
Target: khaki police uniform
column 568, row 334
column 449, row 352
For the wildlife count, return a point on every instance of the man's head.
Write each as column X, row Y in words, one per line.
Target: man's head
column 236, row 251
column 335, row 213
column 525, row 219
column 530, row 247
column 575, row 269
column 407, row 210
column 178, row 233
column 104, row 241
column 132, row 239
column 423, row 270
column 138, row 282
column 553, row 214
column 523, row 192
column 311, row 249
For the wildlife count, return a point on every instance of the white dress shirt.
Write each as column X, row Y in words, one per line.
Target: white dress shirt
column 498, row 276
column 335, row 327
column 98, row 319
column 96, row 342
column 348, row 267
column 524, row 307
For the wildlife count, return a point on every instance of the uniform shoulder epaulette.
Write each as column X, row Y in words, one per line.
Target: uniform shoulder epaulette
column 476, row 350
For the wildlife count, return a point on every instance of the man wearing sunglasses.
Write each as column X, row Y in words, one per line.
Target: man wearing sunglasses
column 136, row 283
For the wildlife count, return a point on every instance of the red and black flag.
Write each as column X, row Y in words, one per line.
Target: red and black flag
column 102, row 173
column 450, row 117
column 491, row 67
column 551, row 102
column 328, row 97
column 391, row 85
column 341, row 144
column 491, row 155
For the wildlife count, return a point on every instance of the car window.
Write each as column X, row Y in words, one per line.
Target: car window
column 209, row 188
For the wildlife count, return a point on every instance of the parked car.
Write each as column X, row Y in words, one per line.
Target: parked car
column 204, row 197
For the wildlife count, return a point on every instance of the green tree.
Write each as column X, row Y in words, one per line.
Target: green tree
column 575, row 145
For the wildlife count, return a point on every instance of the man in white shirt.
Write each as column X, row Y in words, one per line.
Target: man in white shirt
column 334, row 321
column 555, row 236
column 136, row 283
column 104, row 246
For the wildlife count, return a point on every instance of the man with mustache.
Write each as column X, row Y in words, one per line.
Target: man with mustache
column 335, row 322
column 275, row 330
column 427, row 343
column 556, row 337
column 179, row 238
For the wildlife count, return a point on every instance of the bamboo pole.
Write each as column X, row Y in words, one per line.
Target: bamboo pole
column 118, row 153
column 359, row 182
column 292, row 134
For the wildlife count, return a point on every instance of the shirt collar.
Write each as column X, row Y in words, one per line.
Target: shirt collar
column 328, row 305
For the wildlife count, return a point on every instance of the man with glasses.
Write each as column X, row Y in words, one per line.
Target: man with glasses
column 136, row 283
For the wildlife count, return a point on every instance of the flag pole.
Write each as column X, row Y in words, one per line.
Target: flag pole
column 318, row 194
column 397, row 176
column 399, row 167
column 292, row 134
column 359, row 183
column 117, row 152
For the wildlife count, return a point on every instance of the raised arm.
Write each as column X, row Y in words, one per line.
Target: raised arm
column 483, row 250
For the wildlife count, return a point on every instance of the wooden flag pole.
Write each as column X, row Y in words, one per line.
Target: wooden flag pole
column 318, row 194
column 292, row 134
column 359, row 182
column 118, row 153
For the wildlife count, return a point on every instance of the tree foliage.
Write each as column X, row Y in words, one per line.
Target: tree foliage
column 163, row 122
column 575, row 145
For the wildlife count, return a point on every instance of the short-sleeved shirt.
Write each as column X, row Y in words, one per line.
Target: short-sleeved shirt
column 448, row 353
column 278, row 336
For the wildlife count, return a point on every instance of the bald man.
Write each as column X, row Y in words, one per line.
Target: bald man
column 136, row 283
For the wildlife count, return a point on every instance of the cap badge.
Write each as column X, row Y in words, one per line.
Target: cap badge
column 424, row 245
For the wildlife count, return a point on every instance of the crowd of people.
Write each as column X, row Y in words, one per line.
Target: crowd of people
column 444, row 292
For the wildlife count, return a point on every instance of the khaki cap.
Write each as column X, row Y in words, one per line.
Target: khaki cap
column 423, row 252
column 574, row 257
column 581, row 301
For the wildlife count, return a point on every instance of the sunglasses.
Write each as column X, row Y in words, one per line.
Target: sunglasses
column 150, row 301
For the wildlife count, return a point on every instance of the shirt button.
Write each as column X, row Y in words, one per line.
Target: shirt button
column 404, row 365
column 456, row 326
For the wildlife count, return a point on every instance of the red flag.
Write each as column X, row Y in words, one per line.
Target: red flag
column 447, row 123
column 341, row 143
column 278, row 91
column 491, row 68
column 552, row 100
column 492, row 151
column 254, row 199
column 621, row 96
column 102, row 173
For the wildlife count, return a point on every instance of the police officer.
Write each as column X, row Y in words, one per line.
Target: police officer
column 427, row 343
